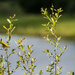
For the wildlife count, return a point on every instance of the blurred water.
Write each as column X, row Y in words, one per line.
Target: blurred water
column 67, row 60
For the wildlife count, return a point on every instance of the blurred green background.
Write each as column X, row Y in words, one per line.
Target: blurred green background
column 30, row 18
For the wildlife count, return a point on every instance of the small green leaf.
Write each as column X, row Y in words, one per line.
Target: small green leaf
column 65, row 47
column 25, row 74
column 56, row 14
column 9, row 37
column 47, row 50
column 43, row 24
column 59, row 69
column 52, row 20
column 61, row 53
column 60, row 48
column 58, row 38
column 40, row 72
column 9, row 21
column 21, row 57
column 28, row 54
column 11, row 25
column 13, row 50
column 57, row 58
column 14, row 16
column 45, row 12
column 5, row 27
column 21, row 47
column 47, row 67
column 1, row 40
column 52, row 63
column 28, row 47
column 24, row 67
column 17, row 66
column 1, row 60
column 71, row 73
column 34, row 66
column 15, row 19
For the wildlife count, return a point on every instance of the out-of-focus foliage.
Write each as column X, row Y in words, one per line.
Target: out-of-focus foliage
column 9, row 8
column 33, row 6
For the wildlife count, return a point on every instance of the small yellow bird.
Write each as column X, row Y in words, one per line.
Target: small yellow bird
column 4, row 44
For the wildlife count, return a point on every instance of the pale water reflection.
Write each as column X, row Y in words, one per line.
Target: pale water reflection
column 67, row 60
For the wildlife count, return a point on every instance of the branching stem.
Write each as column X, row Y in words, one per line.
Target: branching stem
column 55, row 54
column 7, row 63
